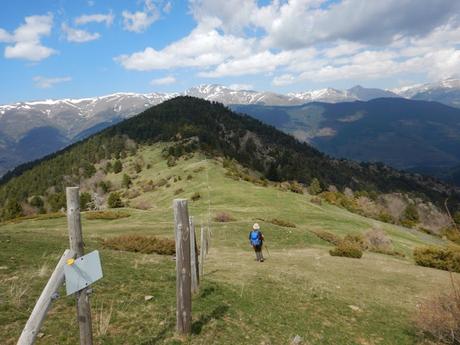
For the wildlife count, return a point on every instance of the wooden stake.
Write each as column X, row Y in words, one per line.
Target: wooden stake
column 49, row 293
column 194, row 258
column 183, row 268
column 202, row 250
column 76, row 244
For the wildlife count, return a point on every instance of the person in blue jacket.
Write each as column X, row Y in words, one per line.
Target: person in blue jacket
column 256, row 240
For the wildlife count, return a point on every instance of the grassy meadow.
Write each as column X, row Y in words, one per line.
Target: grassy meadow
column 299, row 290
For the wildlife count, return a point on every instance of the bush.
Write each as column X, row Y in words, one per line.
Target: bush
column 316, row 200
column 410, row 215
column 447, row 259
column 105, row 186
column 117, row 166
column 37, row 202
column 296, row 187
column 327, row 236
column 126, row 181
column 85, row 199
column 347, row 249
column 196, row 196
column 178, row 191
column 141, row 244
column 114, row 200
column 223, row 217
column 12, row 210
column 57, row 201
column 281, row 222
column 377, row 240
column 438, row 318
column 357, row 240
column 315, row 187
column 452, row 234
column 107, row 215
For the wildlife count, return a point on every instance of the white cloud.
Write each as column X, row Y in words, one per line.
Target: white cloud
column 95, row 18
column 299, row 40
column 163, row 81
column 202, row 48
column 141, row 20
column 77, row 35
column 5, row 36
column 46, row 83
column 167, row 7
column 26, row 39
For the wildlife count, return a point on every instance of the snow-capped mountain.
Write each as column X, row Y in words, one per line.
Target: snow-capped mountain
column 30, row 130
column 445, row 91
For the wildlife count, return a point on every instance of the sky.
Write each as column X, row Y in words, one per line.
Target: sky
column 84, row 48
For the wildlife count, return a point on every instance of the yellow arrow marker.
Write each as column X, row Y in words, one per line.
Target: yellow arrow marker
column 70, row 262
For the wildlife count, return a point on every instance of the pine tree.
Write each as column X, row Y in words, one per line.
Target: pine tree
column 315, row 187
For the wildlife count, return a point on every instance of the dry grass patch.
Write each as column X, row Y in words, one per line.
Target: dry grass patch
column 438, row 318
column 141, row 244
column 223, row 217
column 107, row 215
column 327, row 236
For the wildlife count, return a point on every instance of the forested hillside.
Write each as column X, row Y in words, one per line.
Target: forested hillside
column 193, row 124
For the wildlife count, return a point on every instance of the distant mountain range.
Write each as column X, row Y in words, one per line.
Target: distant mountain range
column 30, row 130
column 406, row 134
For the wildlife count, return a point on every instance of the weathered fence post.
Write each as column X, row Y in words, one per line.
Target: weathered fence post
column 193, row 258
column 183, row 268
column 49, row 293
column 202, row 250
column 76, row 244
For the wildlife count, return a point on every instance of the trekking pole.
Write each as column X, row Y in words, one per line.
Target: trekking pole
column 268, row 252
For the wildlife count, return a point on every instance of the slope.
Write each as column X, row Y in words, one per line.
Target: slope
column 299, row 290
column 198, row 124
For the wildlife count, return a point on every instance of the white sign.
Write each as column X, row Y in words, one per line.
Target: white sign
column 82, row 272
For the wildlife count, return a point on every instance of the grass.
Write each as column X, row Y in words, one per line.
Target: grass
column 299, row 290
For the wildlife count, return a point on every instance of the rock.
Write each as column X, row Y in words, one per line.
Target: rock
column 354, row 308
column 148, row 298
column 297, row 340
column 40, row 335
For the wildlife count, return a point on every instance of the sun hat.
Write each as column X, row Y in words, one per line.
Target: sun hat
column 256, row 226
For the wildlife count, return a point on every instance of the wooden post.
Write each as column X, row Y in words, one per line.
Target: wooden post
column 194, row 258
column 49, row 293
column 183, row 268
column 202, row 250
column 208, row 239
column 76, row 244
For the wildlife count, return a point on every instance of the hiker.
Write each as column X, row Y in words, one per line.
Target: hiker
column 256, row 240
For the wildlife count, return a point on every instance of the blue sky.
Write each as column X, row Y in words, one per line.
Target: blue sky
column 81, row 48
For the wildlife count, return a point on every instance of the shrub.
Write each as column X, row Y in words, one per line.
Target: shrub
column 223, row 217
column 12, row 210
column 315, row 187
column 141, row 244
column 281, row 222
column 117, row 166
column 377, row 240
column 327, row 236
column 385, row 217
column 114, row 200
column 456, row 217
column 57, row 201
column 438, row 317
column 105, row 186
column 347, row 249
column 178, row 191
column 37, row 202
column 107, row 215
column 452, row 234
column 85, row 199
column 196, row 196
column 410, row 215
column 189, row 177
column 296, row 187
column 447, row 259
column 137, row 167
column 171, row 161
column 316, row 200
column 126, row 181
column 357, row 239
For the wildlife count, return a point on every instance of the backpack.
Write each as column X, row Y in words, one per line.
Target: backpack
column 255, row 238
